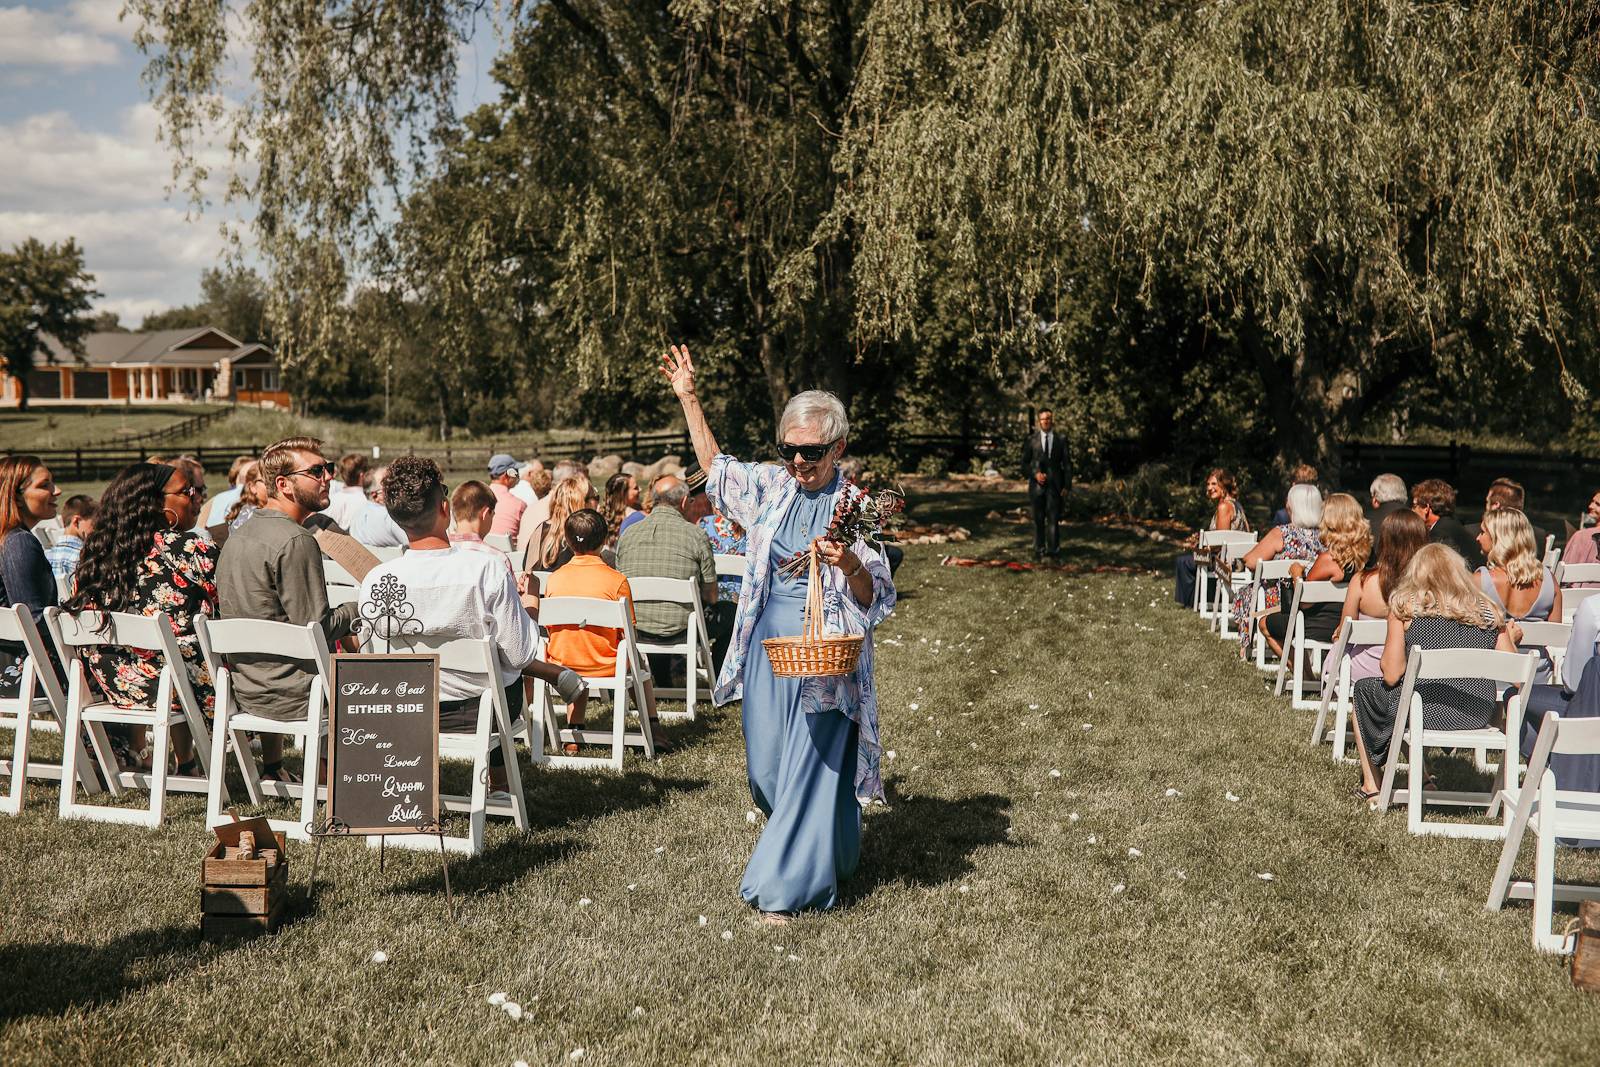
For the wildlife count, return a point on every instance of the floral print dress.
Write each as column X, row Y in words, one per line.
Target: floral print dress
column 178, row 577
column 1298, row 544
column 726, row 538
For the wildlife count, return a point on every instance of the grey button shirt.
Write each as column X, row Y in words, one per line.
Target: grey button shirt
column 271, row 568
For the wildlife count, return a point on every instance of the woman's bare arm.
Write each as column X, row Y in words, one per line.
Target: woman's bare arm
column 1393, row 662
column 678, row 369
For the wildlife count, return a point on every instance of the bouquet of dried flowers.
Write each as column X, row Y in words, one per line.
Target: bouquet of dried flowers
column 858, row 516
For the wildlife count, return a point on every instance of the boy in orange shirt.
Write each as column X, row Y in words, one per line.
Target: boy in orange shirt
column 591, row 651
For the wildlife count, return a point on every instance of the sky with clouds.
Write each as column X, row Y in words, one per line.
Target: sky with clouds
column 82, row 160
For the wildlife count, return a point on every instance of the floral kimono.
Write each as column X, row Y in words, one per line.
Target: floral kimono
column 756, row 496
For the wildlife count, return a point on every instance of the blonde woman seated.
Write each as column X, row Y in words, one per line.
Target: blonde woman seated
column 1436, row 605
column 1401, row 535
column 1516, row 578
column 1346, row 539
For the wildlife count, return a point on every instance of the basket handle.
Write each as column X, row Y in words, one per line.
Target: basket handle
column 811, row 631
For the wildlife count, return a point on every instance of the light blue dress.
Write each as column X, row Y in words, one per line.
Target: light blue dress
column 801, row 765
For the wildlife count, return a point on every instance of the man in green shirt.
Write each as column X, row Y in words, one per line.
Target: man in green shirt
column 664, row 544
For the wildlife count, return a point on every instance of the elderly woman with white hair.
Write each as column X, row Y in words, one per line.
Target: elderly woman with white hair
column 1297, row 539
column 811, row 744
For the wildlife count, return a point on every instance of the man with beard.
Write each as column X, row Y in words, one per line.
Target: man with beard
column 271, row 568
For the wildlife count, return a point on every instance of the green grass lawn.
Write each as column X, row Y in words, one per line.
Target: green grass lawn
column 1036, row 722
column 74, row 427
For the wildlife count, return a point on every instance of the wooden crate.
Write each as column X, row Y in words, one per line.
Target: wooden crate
column 1586, row 953
column 241, row 897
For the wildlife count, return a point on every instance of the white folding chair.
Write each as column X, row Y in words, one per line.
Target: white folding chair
column 303, row 646
column 1502, row 668
column 1353, row 634
column 1552, row 554
column 1550, row 813
column 1210, row 541
column 63, row 586
column 499, row 541
column 340, row 595
column 1268, row 570
column 149, row 633
column 385, row 553
column 541, row 579
column 519, row 555
column 1552, row 637
column 730, row 565
column 334, row 573
column 1296, row 646
column 1572, row 599
column 626, row 682
column 496, row 728
column 1227, row 574
column 38, row 694
column 694, row 647
column 1573, row 573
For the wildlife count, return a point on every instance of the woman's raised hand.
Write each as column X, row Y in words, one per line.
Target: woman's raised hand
column 678, row 369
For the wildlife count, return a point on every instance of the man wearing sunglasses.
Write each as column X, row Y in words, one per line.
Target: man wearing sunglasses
column 1046, row 467
column 271, row 568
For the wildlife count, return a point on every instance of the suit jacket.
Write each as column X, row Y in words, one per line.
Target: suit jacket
column 1447, row 531
column 1056, row 466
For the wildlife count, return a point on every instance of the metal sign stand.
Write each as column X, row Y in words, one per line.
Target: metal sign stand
column 387, row 615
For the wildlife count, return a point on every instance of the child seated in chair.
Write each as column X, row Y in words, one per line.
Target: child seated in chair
column 591, row 650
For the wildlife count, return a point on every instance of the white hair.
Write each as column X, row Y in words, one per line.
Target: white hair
column 818, row 409
column 1389, row 487
column 1305, row 506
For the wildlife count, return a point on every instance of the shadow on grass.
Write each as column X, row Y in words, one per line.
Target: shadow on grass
column 926, row 841
column 560, row 799
column 51, row 977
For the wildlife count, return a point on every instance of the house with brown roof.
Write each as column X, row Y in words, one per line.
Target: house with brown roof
column 165, row 366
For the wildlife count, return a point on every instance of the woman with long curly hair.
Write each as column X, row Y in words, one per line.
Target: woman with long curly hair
column 1516, row 578
column 570, row 495
column 1344, row 539
column 27, row 497
column 1436, row 605
column 621, row 506
column 143, row 557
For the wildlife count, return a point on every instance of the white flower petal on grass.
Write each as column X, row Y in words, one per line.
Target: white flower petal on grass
column 1093, row 840
column 1074, row 817
column 576, row 1054
column 632, row 886
column 512, row 1008
column 584, row 902
column 637, row 1012
column 497, row 999
column 1182, row 877
column 993, row 671
column 1173, row 793
column 974, row 745
column 964, row 889
column 1265, row 876
column 1055, row 773
column 890, row 754
column 1033, row 707
column 1119, row 887
column 792, row 958
column 727, row 935
column 916, row 707
column 702, row 920
column 519, row 1063
column 1230, row 798
column 1134, row 853
column 380, row 957
column 750, row 817
column 660, row 849
column 1088, row 726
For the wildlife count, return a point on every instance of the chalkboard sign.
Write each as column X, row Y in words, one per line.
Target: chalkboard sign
column 383, row 777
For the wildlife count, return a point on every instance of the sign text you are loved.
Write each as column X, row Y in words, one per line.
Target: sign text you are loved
column 384, row 739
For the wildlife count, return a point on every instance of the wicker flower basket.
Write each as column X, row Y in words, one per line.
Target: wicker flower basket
column 813, row 654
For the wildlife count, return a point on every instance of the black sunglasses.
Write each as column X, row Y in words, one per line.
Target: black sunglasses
column 318, row 470
column 808, row 453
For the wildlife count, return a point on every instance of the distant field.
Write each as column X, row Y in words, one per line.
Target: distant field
column 80, row 427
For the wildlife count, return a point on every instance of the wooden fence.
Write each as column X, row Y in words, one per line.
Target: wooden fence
column 173, row 432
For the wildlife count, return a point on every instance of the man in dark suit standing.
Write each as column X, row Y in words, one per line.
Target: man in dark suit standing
column 1435, row 501
column 1049, row 474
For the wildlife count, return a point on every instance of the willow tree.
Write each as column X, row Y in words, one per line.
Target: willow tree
column 653, row 170
column 1358, row 194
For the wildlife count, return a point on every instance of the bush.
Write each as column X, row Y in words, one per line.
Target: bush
column 933, row 466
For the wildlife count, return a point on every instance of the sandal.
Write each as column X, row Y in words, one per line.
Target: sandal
column 658, row 738
column 190, row 769
column 1362, row 794
column 277, row 772
column 571, row 748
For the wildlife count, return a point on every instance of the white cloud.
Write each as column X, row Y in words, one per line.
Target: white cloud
column 102, row 17
column 107, row 190
column 83, row 38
